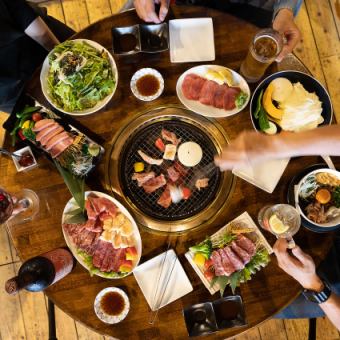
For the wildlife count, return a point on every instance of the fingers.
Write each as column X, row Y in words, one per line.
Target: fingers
column 281, row 245
column 285, row 260
column 301, row 256
column 146, row 10
column 293, row 37
column 163, row 11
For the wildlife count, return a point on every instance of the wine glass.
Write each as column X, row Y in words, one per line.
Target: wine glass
column 282, row 220
column 18, row 208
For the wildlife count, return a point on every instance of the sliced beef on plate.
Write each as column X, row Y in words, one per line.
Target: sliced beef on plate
column 101, row 204
column 56, row 139
column 207, row 94
column 217, row 263
column 116, row 259
column 246, row 244
column 44, row 140
column 234, row 259
column 99, row 253
column 192, row 85
column 218, row 96
column 170, row 137
column 42, row 124
column 44, row 132
column 165, row 199
column 61, row 147
column 230, row 97
column 154, row 183
column 228, row 266
column 142, row 178
column 91, row 213
column 173, row 174
column 242, row 254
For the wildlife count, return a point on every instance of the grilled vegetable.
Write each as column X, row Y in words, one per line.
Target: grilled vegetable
column 139, row 166
column 205, row 248
column 159, row 144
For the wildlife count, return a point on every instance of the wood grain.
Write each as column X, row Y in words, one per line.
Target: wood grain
column 86, row 334
column 76, row 14
column 55, row 9
column 335, row 6
column 274, row 329
column 98, row 9
column 297, row 329
column 324, row 331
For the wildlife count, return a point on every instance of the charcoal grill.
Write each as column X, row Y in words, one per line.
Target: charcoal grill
column 140, row 134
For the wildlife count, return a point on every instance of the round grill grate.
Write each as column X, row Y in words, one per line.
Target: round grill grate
column 144, row 139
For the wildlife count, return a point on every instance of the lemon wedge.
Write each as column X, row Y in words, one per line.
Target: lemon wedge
column 227, row 76
column 215, row 76
column 277, row 226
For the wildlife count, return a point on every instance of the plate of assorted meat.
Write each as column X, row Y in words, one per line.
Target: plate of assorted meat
column 107, row 243
column 213, row 91
column 230, row 256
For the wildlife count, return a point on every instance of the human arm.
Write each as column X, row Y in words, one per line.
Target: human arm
column 146, row 10
column 251, row 147
column 301, row 267
column 284, row 23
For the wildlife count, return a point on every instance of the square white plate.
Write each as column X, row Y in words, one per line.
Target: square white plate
column 148, row 273
column 191, row 40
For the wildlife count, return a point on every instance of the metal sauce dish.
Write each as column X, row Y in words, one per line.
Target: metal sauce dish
column 140, row 38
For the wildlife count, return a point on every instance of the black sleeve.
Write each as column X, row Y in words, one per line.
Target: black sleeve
column 21, row 12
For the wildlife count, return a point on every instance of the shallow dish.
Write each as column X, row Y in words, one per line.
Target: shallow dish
column 44, row 85
column 19, row 153
column 297, row 190
column 141, row 73
column 111, row 319
column 307, row 81
column 206, row 110
column 72, row 205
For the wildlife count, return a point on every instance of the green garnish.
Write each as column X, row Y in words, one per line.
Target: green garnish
column 241, row 99
column 204, row 248
column 336, row 196
column 260, row 114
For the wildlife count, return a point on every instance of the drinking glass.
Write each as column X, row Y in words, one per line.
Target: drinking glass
column 282, row 220
column 19, row 207
column 263, row 50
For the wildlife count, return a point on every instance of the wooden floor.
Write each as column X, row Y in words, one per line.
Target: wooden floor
column 25, row 317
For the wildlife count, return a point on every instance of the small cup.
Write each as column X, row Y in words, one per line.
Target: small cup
column 126, row 40
column 141, row 73
column 107, row 318
column 21, row 152
column 154, row 38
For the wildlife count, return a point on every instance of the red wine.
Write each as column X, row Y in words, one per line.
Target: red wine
column 41, row 271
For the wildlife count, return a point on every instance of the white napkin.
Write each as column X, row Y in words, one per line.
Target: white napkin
column 264, row 175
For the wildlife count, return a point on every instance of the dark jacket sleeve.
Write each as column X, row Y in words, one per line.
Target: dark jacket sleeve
column 21, row 12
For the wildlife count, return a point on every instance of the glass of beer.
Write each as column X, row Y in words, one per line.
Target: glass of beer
column 265, row 47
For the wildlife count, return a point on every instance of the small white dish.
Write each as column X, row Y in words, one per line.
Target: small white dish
column 111, row 319
column 21, row 152
column 141, row 73
column 148, row 274
column 207, row 110
column 186, row 37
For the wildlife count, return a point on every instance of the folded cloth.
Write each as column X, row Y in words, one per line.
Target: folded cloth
column 265, row 175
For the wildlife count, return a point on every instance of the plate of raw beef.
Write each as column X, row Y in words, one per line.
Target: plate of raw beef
column 212, row 97
column 107, row 243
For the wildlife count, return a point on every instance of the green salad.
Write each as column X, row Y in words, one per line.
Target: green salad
column 79, row 76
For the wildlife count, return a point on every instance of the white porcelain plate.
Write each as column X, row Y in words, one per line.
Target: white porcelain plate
column 207, row 110
column 72, row 205
column 191, row 40
column 148, row 273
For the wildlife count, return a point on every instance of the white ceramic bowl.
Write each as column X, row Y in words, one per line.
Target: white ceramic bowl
column 111, row 319
column 141, row 73
column 44, row 86
column 335, row 173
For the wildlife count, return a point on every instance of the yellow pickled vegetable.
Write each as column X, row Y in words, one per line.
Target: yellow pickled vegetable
column 199, row 259
column 139, row 167
column 26, row 125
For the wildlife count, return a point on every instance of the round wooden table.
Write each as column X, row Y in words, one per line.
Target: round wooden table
column 268, row 292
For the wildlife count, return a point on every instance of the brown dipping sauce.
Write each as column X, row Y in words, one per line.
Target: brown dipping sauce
column 147, row 85
column 112, row 303
column 26, row 159
column 127, row 42
column 265, row 47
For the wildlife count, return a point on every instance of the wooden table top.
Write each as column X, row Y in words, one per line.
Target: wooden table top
column 268, row 292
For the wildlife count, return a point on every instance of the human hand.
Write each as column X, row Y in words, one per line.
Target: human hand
column 300, row 266
column 146, row 10
column 248, row 148
column 284, row 23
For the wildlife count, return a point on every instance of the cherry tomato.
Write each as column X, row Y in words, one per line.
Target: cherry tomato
column 209, row 274
column 36, row 117
column 21, row 135
column 186, row 193
column 208, row 264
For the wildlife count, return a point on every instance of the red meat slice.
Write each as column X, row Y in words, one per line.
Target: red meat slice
column 217, row 263
column 226, row 262
column 207, row 93
column 218, row 96
column 56, row 139
column 230, row 97
column 246, row 244
column 91, row 213
column 44, row 132
column 179, row 168
column 165, row 199
column 142, row 177
column 234, row 259
column 173, row 174
column 61, row 147
column 154, row 184
column 196, row 87
column 242, row 254
column 58, row 129
column 42, row 124
column 159, row 144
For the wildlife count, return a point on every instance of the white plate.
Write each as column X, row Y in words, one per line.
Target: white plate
column 191, row 40
column 147, row 275
column 207, row 110
column 243, row 218
column 44, row 86
column 72, row 205
column 111, row 319
column 141, row 73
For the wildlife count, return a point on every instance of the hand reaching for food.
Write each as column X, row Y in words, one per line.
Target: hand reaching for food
column 284, row 23
column 146, row 10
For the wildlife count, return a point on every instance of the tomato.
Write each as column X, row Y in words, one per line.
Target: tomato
column 209, row 274
column 21, row 135
column 159, row 144
column 208, row 264
column 36, row 116
column 186, row 192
